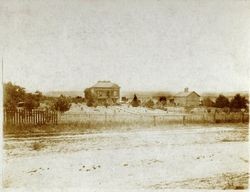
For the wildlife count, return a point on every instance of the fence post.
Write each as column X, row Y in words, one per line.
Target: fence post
column 56, row 117
column 4, row 116
column 105, row 118
column 242, row 117
column 184, row 120
column 154, row 120
column 215, row 117
column 43, row 117
column 89, row 120
column 37, row 117
column 114, row 116
column 14, row 117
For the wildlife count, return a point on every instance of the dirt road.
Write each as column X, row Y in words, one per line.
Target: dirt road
column 152, row 159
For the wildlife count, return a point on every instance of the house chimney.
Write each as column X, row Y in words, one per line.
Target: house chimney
column 186, row 90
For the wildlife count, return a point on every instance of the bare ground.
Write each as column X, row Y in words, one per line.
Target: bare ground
column 148, row 159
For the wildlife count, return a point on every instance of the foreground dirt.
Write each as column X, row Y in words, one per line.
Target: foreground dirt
column 144, row 159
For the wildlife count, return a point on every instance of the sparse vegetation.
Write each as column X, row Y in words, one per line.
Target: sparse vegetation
column 225, row 181
column 207, row 102
column 149, row 104
column 37, row 146
column 77, row 99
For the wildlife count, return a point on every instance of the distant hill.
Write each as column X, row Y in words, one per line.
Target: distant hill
column 65, row 93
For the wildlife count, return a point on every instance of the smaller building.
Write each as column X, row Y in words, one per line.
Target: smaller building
column 187, row 98
column 104, row 92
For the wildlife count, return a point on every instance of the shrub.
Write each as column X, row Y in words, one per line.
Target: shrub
column 77, row 100
column 91, row 102
column 37, row 146
column 207, row 102
column 62, row 104
column 135, row 102
column 91, row 98
column 31, row 101
column 149, row 104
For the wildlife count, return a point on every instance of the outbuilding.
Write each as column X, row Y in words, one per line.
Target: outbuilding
column 187, row 98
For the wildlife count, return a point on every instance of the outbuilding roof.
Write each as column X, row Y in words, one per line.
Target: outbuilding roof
column 105, row 84
column 186, row 94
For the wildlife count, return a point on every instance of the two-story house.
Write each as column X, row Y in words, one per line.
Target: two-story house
column 105, row 92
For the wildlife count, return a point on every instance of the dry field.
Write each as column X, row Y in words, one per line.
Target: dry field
column 139, row 159
column 127, row 115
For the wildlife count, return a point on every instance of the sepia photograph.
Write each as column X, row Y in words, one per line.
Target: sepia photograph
column 125, row 95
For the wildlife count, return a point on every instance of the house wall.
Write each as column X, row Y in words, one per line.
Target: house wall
column 180, row 101
column 107, row 93
column 193, row 100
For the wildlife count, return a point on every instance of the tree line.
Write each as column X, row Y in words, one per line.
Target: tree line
column 15, row 96
column 236, row 103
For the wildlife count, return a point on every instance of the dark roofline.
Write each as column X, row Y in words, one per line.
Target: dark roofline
column 187, row 95
column 114, row 85
column 195, row 93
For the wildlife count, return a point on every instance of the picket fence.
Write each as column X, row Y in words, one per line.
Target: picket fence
column 154, row 119
column 25, row 117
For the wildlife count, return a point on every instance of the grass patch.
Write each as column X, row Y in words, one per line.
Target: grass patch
column 37, row 146
column 227, row 181
column 96, row 126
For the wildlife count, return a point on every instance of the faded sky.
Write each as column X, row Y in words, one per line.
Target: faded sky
column 141, row 45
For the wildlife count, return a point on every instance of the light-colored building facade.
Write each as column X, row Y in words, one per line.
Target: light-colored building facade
column 105, row 92
column 187, row 98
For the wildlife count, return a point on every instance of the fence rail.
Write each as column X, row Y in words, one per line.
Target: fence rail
column 154, row 118
column 24, row 117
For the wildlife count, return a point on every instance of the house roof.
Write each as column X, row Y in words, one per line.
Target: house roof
column 105, row 84
column 186, row 94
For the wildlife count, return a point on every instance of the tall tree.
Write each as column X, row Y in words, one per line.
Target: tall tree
column 238, row 102
column 135, row 102
column 12, row 95
column 221, row 101
column 163, row 100
column 31, row 102
column 90, row 97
